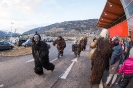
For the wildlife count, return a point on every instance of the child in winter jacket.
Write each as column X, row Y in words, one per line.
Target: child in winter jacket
column 127, row 70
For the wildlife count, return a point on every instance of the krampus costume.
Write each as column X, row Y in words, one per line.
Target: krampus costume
column 61, row 44
column 85, row 41
column 76, row 48
column 100, row 58
column 40, row 52
column 82, row 43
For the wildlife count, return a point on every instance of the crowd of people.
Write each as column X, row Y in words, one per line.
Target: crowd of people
column 114, row 56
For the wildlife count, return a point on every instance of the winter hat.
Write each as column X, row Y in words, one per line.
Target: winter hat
column 104, row 33
column 131, row 52
column 115, row 38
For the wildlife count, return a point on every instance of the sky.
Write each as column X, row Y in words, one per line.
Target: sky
column 24, row 15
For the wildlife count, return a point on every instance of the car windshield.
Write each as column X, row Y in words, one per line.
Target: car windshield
column 29, row 40
column 5, row 42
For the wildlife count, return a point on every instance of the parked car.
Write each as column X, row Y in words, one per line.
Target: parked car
column 27, row 43
column 21, row 41
column 4, row 45
column 47, row 39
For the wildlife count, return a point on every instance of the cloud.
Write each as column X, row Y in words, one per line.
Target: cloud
column 28, row 14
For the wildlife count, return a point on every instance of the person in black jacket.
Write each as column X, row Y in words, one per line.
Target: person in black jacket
column 40, row 52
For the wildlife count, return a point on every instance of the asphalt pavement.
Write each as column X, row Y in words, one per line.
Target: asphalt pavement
column 17, row 72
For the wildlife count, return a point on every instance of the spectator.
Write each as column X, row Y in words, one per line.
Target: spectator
column 130, row 42
column 114, row 61
column 127, row 70
column 123, row 45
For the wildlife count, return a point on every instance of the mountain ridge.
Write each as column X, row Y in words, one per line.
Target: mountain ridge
column 79, row 25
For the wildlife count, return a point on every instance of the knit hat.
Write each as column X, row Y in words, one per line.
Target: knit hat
column 131, row 52
column 104, row 33
column 115, row 38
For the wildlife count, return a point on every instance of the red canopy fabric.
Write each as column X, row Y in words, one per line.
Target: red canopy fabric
column 120, row 30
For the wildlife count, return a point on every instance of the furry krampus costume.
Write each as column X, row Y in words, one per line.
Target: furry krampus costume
column 61, row 44
column 85, row 40
column 100, row 59
column 82, row 43
column 40, row 52
column 76, row 48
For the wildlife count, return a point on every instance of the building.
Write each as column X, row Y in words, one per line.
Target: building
column 117, row 17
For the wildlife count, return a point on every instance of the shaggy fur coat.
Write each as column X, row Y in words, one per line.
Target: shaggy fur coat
column 100, row 60
column 76, row 48
column 83, row 44
column 61, row 44
column 40, row 54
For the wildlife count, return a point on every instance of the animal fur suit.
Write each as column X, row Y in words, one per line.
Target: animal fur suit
column 100, row 60
column 40, row 54
column 83, row 44
column 61, row 44
column 76, row 48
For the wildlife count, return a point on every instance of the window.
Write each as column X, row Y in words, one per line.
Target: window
column 130, row 9
column 5, row 43
column 127, row 13
column 1, row 43
column 130, row 21
column 126, row 2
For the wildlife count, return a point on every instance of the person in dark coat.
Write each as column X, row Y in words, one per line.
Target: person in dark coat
column 40, row 52
column 61, row 44
column 130, row 42
column 100, row 58
column 76, row 48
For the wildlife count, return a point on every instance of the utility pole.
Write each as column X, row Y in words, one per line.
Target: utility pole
column 11, row 28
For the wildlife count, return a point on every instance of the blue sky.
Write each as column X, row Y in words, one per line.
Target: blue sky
column 29, row 14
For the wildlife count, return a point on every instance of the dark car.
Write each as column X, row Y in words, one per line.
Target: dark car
column 4, row 45
column 21, row 41
column 27, row 43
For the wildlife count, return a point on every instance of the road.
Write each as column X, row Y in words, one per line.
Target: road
column 17, row 72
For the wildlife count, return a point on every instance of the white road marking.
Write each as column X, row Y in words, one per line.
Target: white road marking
column 1, row 85
column 33, row 60
column 65, row 74
column 30, row 60
column 54, row 60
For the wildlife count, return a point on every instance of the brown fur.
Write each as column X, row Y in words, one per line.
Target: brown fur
column 61, row 44
column 100, row 60
column 82, row 43
column 85, row 40
column 76, row 48
column 40, row 54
